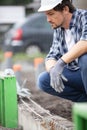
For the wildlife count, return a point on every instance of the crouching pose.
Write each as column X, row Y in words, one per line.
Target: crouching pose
column 66, row 62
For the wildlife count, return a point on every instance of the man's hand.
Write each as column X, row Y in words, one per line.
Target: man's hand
column 56, row 76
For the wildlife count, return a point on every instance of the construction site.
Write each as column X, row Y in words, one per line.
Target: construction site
column 25, row 107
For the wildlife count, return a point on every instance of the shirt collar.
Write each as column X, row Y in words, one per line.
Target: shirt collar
column 73, row 21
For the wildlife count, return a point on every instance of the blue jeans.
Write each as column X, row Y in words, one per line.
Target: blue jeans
column 76, row 86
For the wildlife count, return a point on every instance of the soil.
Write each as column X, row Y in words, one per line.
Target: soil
column 56, row 105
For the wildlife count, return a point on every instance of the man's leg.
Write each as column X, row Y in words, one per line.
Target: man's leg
column 74, row 89
column 83, row 69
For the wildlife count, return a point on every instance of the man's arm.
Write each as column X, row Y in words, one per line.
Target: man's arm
column 77, row 50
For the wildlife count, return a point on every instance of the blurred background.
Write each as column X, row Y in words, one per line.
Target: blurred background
column 27, row 35
column 22, row 32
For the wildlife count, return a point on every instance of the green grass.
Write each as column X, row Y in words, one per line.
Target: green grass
column 23, row 56
column 1, row 56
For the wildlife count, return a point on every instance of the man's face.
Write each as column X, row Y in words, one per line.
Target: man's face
column 55, row 18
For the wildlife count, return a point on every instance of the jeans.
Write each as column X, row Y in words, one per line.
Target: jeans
column 76, row 86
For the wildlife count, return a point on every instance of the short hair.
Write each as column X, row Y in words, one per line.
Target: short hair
column 64, row 3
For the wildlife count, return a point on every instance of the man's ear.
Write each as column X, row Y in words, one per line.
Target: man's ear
column 66, row 9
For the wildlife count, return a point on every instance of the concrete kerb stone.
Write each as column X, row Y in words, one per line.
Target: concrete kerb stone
column 29, row 120
column 57, row 123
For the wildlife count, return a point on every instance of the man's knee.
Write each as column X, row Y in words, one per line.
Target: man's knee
column 41, row 82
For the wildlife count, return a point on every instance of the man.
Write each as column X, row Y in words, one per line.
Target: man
column 66, row 62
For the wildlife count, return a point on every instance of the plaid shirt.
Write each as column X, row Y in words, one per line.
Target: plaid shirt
column 78, row 27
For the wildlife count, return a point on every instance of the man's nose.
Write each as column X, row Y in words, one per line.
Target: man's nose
column 48, row 19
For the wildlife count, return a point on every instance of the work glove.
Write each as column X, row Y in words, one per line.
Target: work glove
column 56, row 76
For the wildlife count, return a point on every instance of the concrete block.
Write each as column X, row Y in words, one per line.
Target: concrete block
column 37, row 118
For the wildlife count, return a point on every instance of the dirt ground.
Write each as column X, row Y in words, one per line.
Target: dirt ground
column 56, row 105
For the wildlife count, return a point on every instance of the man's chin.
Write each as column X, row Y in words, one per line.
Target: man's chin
column 54, row 27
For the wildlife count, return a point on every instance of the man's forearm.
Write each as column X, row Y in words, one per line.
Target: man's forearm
column 78, row 49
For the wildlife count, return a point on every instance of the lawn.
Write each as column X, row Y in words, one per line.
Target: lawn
column 23, row 56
